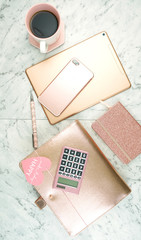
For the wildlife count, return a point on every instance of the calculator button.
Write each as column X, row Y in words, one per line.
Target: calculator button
column 82, row 161
column 73, row 171
column 75, row 176
column 75, row 165
column 79, row 177
column 63, row 173
column 63, row 162
column 70, row 158
column 60, row 172
column 78, row 154
column 76, row 159
column 84, row 155
column 67, row 170
column 72, row 152
column 67, row 175
column 79, row 173
column 81, row 167
column 69, row 164
column 65, row 156
column 61, row 168
column 66, row 150
column 71, row 175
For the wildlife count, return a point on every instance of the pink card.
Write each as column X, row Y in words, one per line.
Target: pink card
column 34, row 167
column 120, row 131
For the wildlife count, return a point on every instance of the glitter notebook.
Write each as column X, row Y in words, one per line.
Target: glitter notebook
column 120, row 131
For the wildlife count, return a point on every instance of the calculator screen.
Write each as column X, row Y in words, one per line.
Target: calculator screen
column 68, row 182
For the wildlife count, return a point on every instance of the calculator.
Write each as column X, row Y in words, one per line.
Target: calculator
column 70, row 170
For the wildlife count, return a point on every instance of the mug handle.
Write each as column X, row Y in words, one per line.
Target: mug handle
column 43, row 47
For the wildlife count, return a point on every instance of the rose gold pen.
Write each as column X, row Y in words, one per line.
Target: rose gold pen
column 34, row 127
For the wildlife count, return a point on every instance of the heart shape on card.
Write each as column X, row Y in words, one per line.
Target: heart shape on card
column 34, row 167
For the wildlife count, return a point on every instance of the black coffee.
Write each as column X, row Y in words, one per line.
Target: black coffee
column 43, row 24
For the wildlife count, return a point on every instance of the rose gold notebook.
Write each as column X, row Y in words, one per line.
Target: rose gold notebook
column 102, row 187
column 98, row 54
column 120, row 131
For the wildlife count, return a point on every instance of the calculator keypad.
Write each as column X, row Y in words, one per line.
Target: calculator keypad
column 63, row 162
column 70, row 158
column 64, row 156
column 67, row 170
column 72, row 163
column 72, row 152
column 82, row 161
column 78, row 154
column 79, row 173
column 73, row 171
column 75, row 165
column 66, row 150
column 69, row 164
column 76, row 159
column 81, row 167
column 61, row 168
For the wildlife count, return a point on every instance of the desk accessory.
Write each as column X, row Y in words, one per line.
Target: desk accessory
column 70, row 170
column 101, row 189
column 65, row 87
column 34, row 127
column 33, row 169
column 120, row 131
column 55, row 45
column 45, row 27
column 98, row 54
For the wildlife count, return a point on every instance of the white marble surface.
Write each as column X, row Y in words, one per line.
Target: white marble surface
column 20, row 219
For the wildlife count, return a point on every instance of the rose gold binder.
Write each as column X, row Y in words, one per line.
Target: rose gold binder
column 102, row 187
column 98, row 54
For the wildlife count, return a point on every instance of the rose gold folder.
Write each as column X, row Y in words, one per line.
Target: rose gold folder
column 102, row 187
column 98, row 54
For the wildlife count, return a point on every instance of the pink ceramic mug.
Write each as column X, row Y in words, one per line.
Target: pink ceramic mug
column 44, row 42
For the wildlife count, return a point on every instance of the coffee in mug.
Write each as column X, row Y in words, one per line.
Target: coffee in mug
column 43, row 24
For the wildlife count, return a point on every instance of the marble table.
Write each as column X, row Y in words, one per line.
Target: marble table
column 20, row 219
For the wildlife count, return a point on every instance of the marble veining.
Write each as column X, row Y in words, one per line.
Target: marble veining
column 19, row 216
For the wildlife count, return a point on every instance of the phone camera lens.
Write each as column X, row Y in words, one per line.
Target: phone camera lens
column 75, row 62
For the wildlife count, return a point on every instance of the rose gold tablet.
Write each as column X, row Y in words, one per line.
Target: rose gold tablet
column 65, row 87
column 98, row 54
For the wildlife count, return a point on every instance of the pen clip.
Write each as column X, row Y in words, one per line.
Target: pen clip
column 33, row 140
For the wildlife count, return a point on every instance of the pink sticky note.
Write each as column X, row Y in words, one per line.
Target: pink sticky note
column 33, row 169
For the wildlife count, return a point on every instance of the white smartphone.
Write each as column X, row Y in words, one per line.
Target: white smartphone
column 65, row 87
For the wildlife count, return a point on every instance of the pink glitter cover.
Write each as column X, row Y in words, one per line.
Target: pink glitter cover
column 120, row 131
